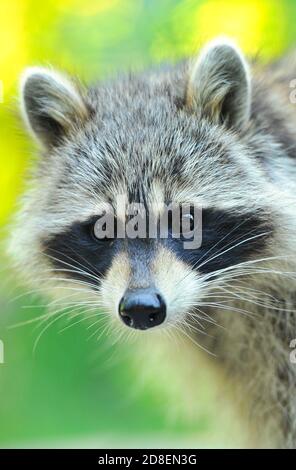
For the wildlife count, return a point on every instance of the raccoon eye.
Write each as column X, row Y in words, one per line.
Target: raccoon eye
column 104, row 228
column 187, row 224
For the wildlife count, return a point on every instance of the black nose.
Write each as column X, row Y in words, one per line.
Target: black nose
column 142, row 308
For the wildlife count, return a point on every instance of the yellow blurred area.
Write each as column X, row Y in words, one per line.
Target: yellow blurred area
column 13, row 38
column 245, row 21
column 90, row 7
column 13, row 57
column 87, row 36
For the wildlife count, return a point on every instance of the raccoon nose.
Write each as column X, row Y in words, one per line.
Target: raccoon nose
column 142, row 309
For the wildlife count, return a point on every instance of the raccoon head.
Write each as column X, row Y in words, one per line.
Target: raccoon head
column 167, row 136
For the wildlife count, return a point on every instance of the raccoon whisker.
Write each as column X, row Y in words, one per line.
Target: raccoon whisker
column 72, row 271
column 215, row 296
column 267, row 294
column 41, row 290
column 69, row 304
column 205, row 277
column 234, row 272
column 194, row 319
column 60, row 312
column 70, row 309
column 27, row 322
column 27, row 293
column 226, row 236
column 70, row 281
column 271, row 302
column 107, row 331
column 262, row 295
column 168, row 334
column 250, row 293
column 203, row 316
column 40, row 317
column 95, row 274
column 120, row 333
column 234, row 275
column 100, row 320
column 85, row 261
column 102, row 328
column 72, row 260
column 210, row 320
column 234, row 297
column 232, row 248
column 97, row 322
column 239, row 290
column 125, row 338
column 75, row 291
column 252, row 271
column 172, row 334
column 197, row 319
column 262, row 269
column 230, row 308
column 224, row 304
column 224, row 250
column 247, row 263
column 64, row 299
column 87, row 317
column 184, row 323
column 57, row 317
column 261, row 304
column 183, row 332
column 31, row 307
column 191, row 327
column 76, row 269
column 75, row 311
column 132, row 337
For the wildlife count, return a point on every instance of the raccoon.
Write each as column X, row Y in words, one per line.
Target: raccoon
column 217, row 132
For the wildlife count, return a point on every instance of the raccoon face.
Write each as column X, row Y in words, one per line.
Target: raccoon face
column 171, row 137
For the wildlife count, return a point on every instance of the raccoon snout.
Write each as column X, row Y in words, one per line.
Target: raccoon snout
column 142, row 308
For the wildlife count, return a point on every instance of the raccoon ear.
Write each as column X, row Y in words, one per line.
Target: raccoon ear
column 219, row 86
column 51, row 104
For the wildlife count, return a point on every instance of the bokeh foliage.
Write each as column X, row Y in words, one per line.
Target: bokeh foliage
column 60, row 392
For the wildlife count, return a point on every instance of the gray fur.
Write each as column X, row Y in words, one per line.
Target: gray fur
column 51, row 104
column 159, row 131
column 219, row 86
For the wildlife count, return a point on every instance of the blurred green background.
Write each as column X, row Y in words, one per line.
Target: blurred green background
column 75, row 390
